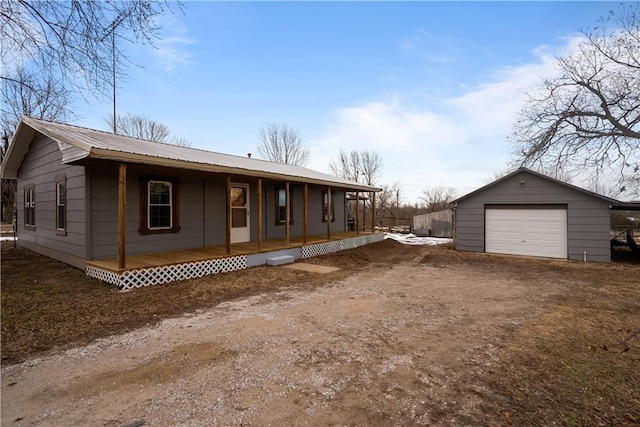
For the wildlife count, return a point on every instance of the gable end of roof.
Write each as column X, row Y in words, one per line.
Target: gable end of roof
column 540, row 175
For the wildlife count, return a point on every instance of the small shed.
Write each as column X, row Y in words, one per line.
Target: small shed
column 433, row 224
column 528, row 213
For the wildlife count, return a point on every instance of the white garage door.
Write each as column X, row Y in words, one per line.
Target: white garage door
column 536, row 232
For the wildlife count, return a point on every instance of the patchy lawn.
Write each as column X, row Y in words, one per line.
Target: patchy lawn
column 412, row 335
column 48, row 305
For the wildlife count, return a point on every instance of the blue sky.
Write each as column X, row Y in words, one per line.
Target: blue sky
column 433, row 87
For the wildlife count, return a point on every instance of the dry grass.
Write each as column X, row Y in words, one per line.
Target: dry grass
column 576, row 364
column 579, row 363
column 48, row 305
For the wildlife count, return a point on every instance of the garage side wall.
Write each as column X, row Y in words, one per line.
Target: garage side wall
column 587, row 216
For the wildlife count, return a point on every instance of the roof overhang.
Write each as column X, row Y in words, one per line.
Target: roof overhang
column 76, row 149
column 625, row 206
column 118, row 156
column 18, row 148
column 454, row 203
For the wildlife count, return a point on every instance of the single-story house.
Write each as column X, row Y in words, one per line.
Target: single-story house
column 135, row 212
column 528, row 213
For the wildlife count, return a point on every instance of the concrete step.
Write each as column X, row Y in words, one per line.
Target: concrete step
column 280, row 260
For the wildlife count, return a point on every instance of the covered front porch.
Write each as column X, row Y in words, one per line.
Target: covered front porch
column 162, row 267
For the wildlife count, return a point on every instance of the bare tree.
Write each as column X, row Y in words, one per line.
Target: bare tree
column 437, row 198
column 371, row 166
column 397, row 194
column 497, row 174
column 283, row 144
column 50, row 49
column 144, row 127
column 360, row 166
column 24, row 93
column 75, row 40
column 7, row 186
column 588, row 118
column 347, row 165
column 180, row 141
column 387, row 203
column 35, row 95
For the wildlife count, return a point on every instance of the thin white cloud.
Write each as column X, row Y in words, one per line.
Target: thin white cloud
column 172, row 52
column 459, row 141
column 415, row 40
column 420, row 44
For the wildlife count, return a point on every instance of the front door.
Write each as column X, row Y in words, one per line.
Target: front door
column 240, row 231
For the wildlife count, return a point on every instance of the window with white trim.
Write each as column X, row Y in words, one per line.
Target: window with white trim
column 281, row 208
column 160, row 207
column 325, row 203
column 30, row 206
column 61, row 205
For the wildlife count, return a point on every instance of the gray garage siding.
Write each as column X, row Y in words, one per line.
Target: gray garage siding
column 40, row 167
column 587, row 216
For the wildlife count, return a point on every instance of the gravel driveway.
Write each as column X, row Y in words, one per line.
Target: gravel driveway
column 385, row 346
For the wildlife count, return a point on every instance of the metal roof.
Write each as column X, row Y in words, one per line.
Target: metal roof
column 526, row 170
column 77, row 143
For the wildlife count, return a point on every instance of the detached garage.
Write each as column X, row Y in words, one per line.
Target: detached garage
column 527, row 213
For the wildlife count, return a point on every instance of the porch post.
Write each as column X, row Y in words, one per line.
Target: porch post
column 122, row 216
column 305, row 212
column 259, row 196
column 329, row 203
column 228, row 234
column 287, row 215
column 357, row 213
column 373, row 212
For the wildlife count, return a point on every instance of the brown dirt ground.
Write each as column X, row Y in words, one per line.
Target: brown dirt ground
column 399, row 335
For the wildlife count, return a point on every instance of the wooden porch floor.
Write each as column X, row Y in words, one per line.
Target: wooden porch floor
column 159, row 259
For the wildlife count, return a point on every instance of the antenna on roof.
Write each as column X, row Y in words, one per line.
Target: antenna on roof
column 112, row 31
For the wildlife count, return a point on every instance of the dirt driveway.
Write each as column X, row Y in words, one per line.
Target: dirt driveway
column 409, row 344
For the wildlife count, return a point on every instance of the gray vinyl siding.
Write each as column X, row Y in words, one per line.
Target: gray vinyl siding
column 216, row 209
column 104, row 214
column 40, row 168
column 202, row 205
column 587, row 216
column 315, row 225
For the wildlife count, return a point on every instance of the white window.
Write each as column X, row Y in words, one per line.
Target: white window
column 281, row 206
column 30, row 206
column 61, row 205
column 327, row 199
column 160, row 208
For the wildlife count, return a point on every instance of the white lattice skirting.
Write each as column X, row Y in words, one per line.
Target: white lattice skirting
column 310, row 251
column 130, row 279
column 169, row 273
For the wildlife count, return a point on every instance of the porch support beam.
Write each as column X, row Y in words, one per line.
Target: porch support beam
column 358, row 213
column 287, row 215
column 259, row 196
column 329, row 216
column 122, row 216
column 228, row 222
column 373, row 212
column 305, row 213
